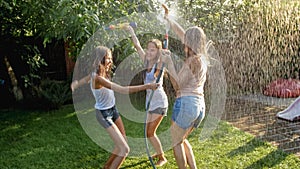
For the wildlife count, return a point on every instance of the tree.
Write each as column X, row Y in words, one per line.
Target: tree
column 68, row 20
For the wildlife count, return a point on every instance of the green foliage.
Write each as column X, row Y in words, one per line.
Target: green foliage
column 72, row 21
column 55, row 93
column 35, row 62
column 76, row 21
column 238, row 27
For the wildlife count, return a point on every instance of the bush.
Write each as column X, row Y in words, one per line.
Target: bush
column 55, row 93
column 48, row 95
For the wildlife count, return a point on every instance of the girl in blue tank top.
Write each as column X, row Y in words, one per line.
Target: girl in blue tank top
column 159, row 103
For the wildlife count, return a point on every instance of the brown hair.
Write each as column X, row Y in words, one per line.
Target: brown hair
column 158, row 45
column 99, row 53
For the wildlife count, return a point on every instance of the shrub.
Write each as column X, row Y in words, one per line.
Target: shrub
column 55, row 93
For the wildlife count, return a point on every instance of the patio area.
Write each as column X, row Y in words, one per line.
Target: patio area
column 256, row 114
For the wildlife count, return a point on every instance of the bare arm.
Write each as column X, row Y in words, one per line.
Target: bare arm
column 125, row 89
column 136, row 43
column 77, row 83
column 179, row 31
column 166, row 58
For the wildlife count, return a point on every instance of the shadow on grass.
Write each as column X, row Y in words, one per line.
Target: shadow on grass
column 267, row 161
column 247, row 148
column 141, row 164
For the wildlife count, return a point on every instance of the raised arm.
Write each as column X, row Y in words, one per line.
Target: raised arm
column 77, row 83
column 179, row 31
column 136, row 43
column 125, row 89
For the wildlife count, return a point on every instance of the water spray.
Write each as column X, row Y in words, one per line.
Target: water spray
column 121, row 26
column 166, row 38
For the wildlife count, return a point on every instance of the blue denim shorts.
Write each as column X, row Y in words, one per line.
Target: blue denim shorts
column 188, row 111
column 107, row 117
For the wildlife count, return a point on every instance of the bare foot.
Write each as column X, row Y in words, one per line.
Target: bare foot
column 161, row 162
column 155, row 156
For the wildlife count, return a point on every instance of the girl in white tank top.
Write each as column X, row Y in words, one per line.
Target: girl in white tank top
column 106, row 112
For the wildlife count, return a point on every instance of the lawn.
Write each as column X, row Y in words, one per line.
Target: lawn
column 55, row 139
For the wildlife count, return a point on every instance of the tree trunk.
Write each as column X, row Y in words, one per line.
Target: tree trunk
column 16, row 89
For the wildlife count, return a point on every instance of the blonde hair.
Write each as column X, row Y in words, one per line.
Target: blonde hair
column 195, row 40
column 158, row 45
column 156, row 42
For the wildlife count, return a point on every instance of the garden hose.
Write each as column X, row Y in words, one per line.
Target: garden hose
column 145, row 123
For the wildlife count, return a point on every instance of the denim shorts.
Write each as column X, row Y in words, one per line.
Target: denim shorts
column 107, row 117
column 188, row 111
column 160, row 111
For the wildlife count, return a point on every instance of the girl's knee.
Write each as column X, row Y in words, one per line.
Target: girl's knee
column 126, row 150
column 123, row 150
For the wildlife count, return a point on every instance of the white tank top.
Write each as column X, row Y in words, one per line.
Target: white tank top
column 104, row 97
column 159, row 98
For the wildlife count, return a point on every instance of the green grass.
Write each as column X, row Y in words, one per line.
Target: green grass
column 55, row 139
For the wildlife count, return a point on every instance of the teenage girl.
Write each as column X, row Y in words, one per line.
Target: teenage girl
column 189, row 106
column 159, row 103
column 106, row 111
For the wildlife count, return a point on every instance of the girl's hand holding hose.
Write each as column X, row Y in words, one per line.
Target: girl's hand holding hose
column 153, row 86
column 166, row 56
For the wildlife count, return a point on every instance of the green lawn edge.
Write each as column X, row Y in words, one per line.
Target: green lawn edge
column 55, row 139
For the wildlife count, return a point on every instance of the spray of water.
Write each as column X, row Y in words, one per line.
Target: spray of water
column 84, row 102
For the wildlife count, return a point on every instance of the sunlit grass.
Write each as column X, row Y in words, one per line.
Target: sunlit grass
column 32, row 139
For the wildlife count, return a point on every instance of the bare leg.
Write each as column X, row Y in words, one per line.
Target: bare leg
column 189, row 151
column 153, row 122
column 121, row 150
column 189, row 155
column 181, row 147
column 179, row 155
column 178, row 135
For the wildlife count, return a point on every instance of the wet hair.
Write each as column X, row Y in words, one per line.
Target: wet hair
column 195, row 40
column 158, row 45
column 156, row 42
column 99, row 53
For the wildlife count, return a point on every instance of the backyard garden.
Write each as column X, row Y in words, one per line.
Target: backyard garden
column 42, row 50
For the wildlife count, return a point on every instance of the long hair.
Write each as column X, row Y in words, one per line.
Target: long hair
column 195, row 41
column 99, row 53
column 158, row 45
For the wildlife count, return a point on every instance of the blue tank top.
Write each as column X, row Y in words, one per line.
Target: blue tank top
column 159, row 99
